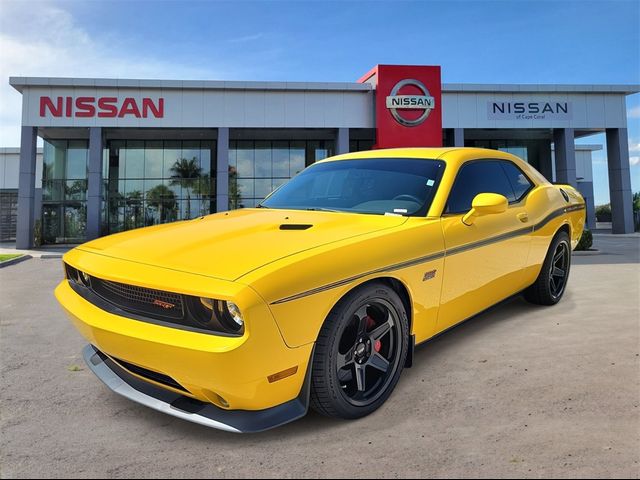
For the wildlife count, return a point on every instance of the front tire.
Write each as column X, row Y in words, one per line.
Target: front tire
column 552, row 280
column 360, row 353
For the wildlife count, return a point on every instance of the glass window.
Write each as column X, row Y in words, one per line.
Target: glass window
column 245, row 159
column 281, row 155
column 153, row 159
column 64, row 191
column 375, row 186
column 263, row 160
column 296, row 158
column 77, row 159
column 258, row 167
column 177, row 182
column 172, row 153
column 478, row 177
column 519, row 181
column 134, row 159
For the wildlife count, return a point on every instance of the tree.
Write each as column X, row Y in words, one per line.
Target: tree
column 203, row 190
column 161, row 198
column 134, row 204
column 186, row 174
column 234, row 189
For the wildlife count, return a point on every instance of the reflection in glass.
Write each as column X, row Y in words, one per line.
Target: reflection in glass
column 177, row 182
column 64, row 191
column 258, row 167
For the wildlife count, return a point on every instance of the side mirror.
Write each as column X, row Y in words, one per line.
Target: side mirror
column 485, row 204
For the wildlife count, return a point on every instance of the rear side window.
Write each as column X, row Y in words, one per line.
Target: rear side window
column 518, row 180
column 484, row 176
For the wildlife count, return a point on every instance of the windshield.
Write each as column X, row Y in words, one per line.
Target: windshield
column 400, row 186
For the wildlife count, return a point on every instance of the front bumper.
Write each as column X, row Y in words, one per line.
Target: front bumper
column 187, row 408
column 233, row 373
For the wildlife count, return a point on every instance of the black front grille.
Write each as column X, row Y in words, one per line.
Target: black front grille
column 150, row 375
column 145, row 301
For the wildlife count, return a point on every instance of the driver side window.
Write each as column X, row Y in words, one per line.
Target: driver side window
column 478, row 176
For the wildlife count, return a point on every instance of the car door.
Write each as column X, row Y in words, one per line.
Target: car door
column 484, row 261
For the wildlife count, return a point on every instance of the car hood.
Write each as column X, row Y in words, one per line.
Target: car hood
column 231, row 244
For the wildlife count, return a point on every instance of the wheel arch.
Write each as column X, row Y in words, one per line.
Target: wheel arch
column 397, row 286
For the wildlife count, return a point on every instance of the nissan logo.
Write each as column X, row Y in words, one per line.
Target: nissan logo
column 397, row 102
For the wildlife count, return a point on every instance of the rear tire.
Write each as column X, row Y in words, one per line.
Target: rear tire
column 554, row 275
column 360, row 352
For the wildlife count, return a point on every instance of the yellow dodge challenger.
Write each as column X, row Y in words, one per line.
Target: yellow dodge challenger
column 242, row 320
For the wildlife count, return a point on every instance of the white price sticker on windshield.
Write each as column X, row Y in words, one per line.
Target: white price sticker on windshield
column 430, row 183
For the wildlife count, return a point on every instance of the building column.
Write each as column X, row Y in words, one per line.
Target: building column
column 565, row 154
column 94, row 183
column 26, row 188
column 586, row 190
column 458, row 137
column 545, row 164
column 222, row 170
column 342, row 141
column 619, row 180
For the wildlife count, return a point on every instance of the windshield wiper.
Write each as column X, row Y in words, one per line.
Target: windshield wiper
column 322, row 209
column 261, row 206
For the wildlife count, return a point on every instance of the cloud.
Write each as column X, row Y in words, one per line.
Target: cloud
column 634, row 147
column 51, row 43
column 634, row 112
column 634, row 160
column 246, row 38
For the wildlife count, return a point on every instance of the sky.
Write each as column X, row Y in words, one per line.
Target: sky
column 508, row 41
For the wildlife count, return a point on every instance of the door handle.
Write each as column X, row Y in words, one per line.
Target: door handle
column 523, row 217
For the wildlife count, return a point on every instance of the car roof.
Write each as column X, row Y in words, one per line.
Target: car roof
column 452, row 156
column 448, row 154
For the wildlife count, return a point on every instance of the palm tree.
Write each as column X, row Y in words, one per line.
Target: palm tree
column 134, row 202
column 162, row 198
column 203, row 190
column 234, row 189
column 186, row 174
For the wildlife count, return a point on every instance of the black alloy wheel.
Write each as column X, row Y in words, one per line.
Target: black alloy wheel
column 360, row 353
column 559, row 270
column 551, row 283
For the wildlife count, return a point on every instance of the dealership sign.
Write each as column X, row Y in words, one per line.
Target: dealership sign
column 529, row 110
column 104, row 107
column 408, row 105
column 396, row 102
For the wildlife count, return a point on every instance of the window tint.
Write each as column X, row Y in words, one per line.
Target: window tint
column 478, row 177
column 519, row 182
column 380, row 186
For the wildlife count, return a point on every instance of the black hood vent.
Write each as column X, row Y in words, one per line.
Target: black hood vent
column 295, row 226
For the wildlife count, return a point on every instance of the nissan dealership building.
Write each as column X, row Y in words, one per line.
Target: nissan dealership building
column 121, row 154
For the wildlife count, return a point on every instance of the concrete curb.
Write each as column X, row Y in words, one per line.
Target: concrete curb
column 13, row 261
column 586, row 253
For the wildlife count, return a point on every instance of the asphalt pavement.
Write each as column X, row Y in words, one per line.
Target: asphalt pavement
column 519, row 391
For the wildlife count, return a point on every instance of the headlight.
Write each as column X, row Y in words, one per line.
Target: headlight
column 218, row 315
column 78, row 276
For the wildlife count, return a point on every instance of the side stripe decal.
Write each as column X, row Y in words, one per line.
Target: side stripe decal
column 435, row 256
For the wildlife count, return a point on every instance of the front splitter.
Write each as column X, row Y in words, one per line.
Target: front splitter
column 237, row 421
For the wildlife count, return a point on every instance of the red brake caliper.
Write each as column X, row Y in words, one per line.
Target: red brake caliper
column 370, row 324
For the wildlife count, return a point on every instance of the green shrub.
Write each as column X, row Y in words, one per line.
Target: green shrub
column 603, row 213
column 586, row 240
column 37, row 234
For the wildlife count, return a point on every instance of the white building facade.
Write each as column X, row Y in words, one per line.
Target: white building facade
column 122, row 154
